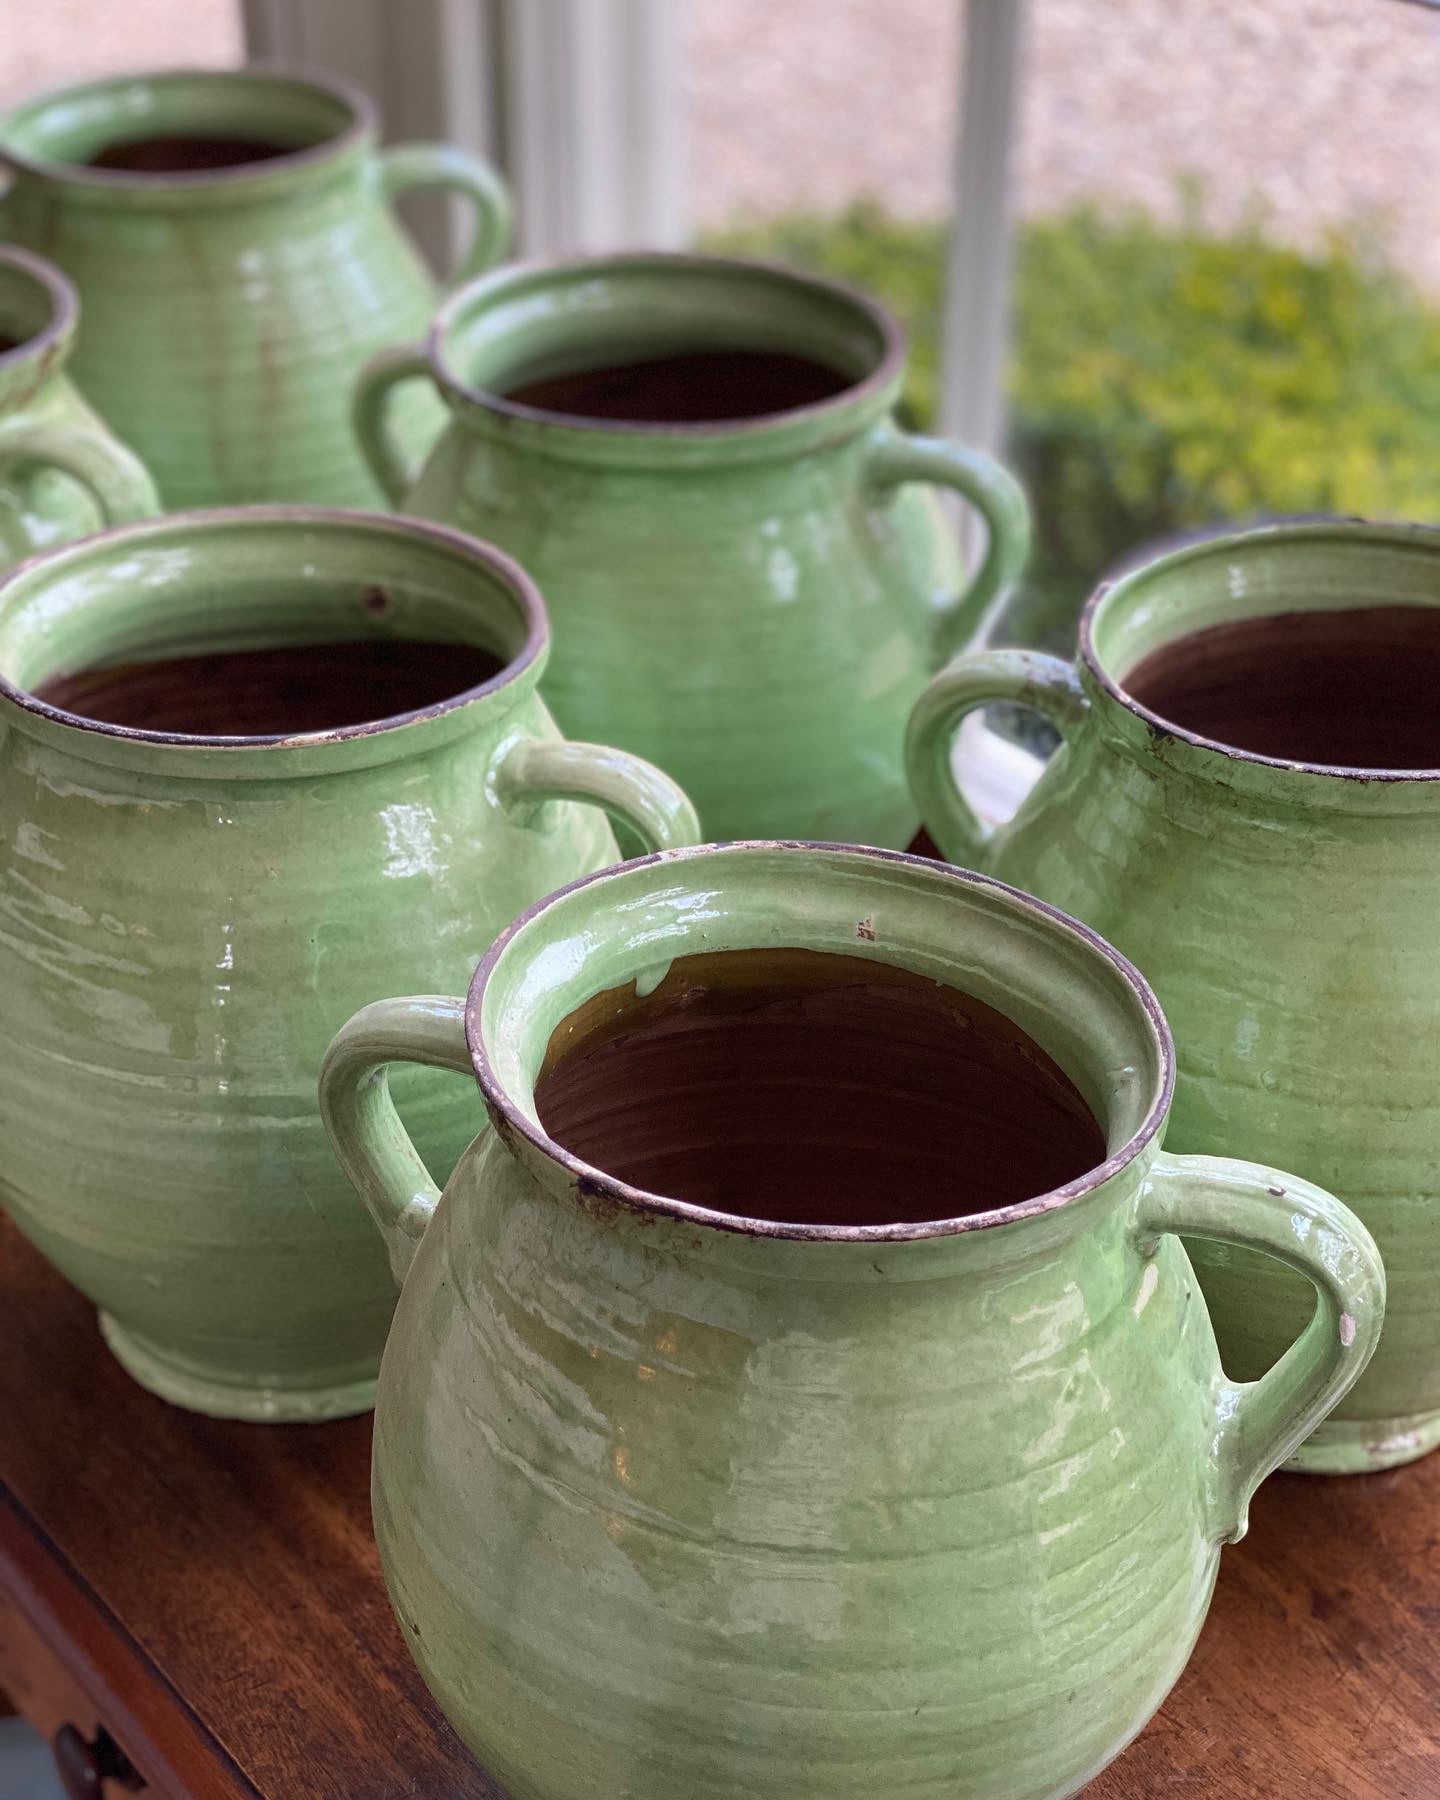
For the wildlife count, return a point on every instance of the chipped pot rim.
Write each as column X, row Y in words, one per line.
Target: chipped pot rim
column 361, row 127
column 338, row 521
column 855, row 395
column 596, row 1184
column 1297, row 531
column 57, row 331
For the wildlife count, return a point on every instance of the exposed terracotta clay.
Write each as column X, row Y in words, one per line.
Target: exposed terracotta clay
column 1353, row 688
column 274, row 692
column 687, row 389
column 809, row 1088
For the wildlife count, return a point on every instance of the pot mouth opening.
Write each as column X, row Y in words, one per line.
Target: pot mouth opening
column 264, row 628
column 663, row 345
column 1265, row 631
column 815, row 1041
column 175, row 130
column 38, row 309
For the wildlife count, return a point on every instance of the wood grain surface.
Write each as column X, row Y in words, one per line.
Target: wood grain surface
column 214, row 1588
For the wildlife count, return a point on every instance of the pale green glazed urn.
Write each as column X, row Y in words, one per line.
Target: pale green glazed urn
column 752, row 603
column 676, row 1502
column 228, row 309
column 62, row 472
column 1286, row 913
column 186, row 921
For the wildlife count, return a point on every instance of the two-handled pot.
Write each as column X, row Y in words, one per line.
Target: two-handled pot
column 186, row 919
column 680, row 1500
column 1284, row 909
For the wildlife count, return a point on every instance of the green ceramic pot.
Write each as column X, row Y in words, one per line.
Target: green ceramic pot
column 185, row 921
column 752, row 603
column 228, row 309
column 1284, row 911
column 676, row 1502
column 62, row 474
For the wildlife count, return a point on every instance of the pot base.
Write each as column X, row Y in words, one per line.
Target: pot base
column 1365, row 1446
column 184, row 1386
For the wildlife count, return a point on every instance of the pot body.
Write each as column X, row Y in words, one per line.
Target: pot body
column 672, row 1501
column 761, row 632
column 753, row 605
column 1287, row 921
column 227, row 315
column 182, row 927
column 792, row 1527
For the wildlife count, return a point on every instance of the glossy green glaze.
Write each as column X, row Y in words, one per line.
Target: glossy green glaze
column 227, row 310
column 676, row 1503
column 62, row 473
column 185, row 921
column 1285, row 913
column 753, row 603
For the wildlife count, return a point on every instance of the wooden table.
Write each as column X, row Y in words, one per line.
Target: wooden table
column 209, row 1595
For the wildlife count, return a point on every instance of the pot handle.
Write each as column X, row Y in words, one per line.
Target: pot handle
column 407, row 168
column 896, row 457
column 390, row 462
column 1259, row 1423
column 634, row 792
column 372, row 1145
column 1024, row 677
column 118, row 482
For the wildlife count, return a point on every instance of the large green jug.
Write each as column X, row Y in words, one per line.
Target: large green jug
column 186, row 916
column 753, row 600
column 1285, row 911
column 233, row 240
column 681, row 1497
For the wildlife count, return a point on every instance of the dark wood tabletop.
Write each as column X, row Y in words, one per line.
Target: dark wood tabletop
column 209, row 1595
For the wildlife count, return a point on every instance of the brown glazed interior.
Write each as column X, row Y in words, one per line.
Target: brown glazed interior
column 279, row 692
column 1354, row 688
column 185, row 154
column 815, row 1089
column 692, row 387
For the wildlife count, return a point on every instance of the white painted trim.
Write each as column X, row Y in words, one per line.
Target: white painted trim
column 431, row 66
column 580, row 102
column 977, row 283
column 994, row 773
column 595, row 116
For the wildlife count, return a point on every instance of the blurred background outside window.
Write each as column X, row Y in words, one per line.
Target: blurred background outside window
column 1224, row 275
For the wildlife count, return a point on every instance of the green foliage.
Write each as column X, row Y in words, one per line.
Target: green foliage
column 1165, row 378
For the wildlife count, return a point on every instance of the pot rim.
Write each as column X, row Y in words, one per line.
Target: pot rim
column 518, row 584
column 854, row 394
column 596, row 1185
column 362, row 126
column 58, row 330
column 1230, row 543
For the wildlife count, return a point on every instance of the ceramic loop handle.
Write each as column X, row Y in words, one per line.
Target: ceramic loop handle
column 896, row 457
column 374, row 1148
column 392, row 465
column 631, row 790
column 406, row 168
column 1025, row 677
column 1261, row 1422
column 118, row 481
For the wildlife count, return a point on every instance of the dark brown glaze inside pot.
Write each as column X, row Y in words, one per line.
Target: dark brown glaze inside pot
column 185, row 155
column 276, row 692
column 694, row 388
column 7, row 343
column 1358, row 688
column 808, row 1088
